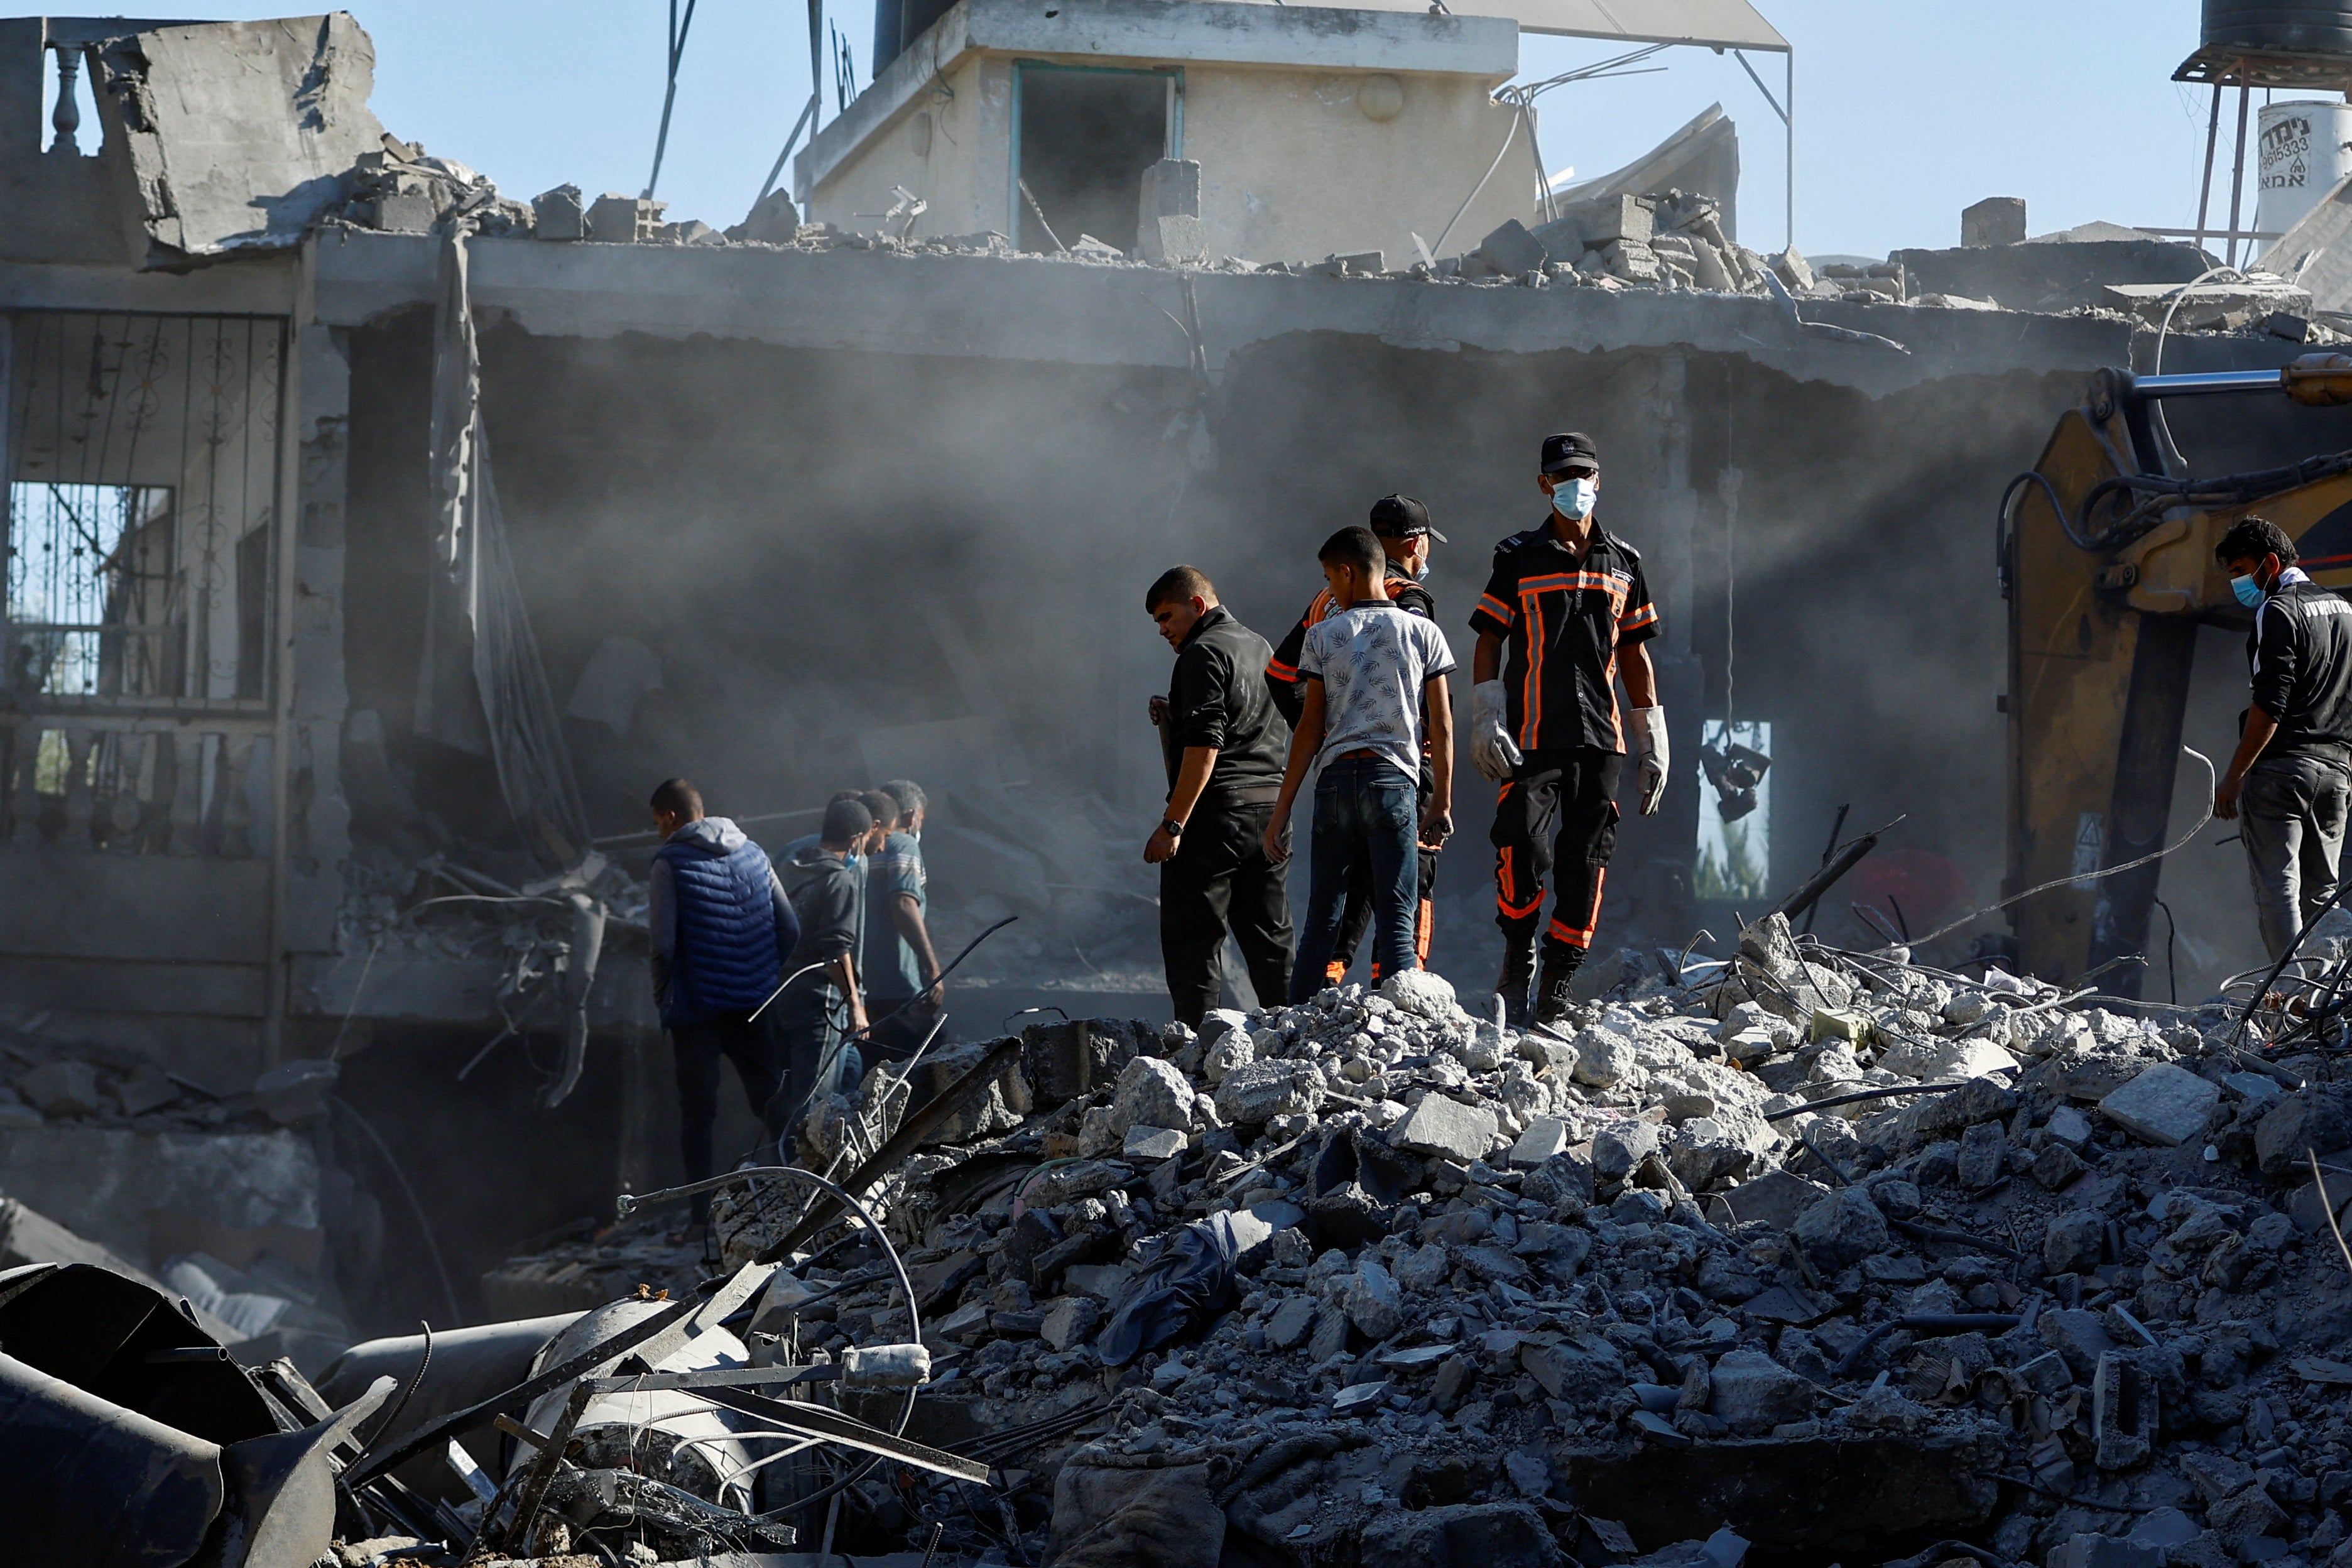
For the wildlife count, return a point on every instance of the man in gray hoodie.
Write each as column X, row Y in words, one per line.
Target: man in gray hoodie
column 720, row 930
column 822, row 1010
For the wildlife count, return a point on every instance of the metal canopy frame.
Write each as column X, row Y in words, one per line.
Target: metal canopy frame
column 2247, row 70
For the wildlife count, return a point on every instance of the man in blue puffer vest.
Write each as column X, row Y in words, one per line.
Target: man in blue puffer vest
column 721, row 929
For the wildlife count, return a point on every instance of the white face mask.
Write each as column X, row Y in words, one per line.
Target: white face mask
column 1573, row 499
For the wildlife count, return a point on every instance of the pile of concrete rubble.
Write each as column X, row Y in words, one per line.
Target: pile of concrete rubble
column 1806, row 1257
column 1821, row 1256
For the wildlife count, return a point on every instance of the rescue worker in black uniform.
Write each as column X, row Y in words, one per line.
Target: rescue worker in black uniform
column 1403, row 528
column 1566, row 606
column 1226, row 747
column 2291, row 780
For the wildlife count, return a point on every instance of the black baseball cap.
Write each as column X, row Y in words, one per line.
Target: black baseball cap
column 1402, row 517
column 1573, row 449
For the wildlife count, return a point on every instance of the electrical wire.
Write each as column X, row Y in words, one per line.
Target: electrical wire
column 432, row 1245
column 2088, row 877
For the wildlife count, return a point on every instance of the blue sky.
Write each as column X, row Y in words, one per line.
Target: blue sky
column 1907, row 110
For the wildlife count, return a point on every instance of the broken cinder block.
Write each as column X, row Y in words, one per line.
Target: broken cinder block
column 616, row 219
column 1168, row 213
column 1512, row 250
column 1996, row 220
column 559, row 214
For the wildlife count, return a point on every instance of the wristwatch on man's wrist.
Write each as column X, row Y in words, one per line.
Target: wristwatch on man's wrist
column 1173, row 829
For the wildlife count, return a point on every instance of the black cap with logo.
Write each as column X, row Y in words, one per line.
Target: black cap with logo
column 1574, row 449
column 1402, row 517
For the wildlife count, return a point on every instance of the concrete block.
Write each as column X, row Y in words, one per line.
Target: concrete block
column 1544, row 1136
column 2074, row 1242
column 1613, row 219
column 1447, row 1128
column 1841, row 1233
column 1370, row 1299
column 1777, row 1198
column 1753, row 1393
column 2068, row 1126
column 1253, row 1095
column 1170, row 239
column 1153, row 1093
column 2318, row 1117
column 2165, row 1105
column 1984, row 1153
column 1621, row 1146
column 559, row 214
column 773, row 221
column 1153, row 1142
column 1798, row 274
column 2123, row 1413
column 404, row 212
column 1067, row 1061
column 616, row 219
column 1512, row 250
column 1071, row 1321
column 1996, row 220
column 1171, row 188
column 1291, row 1322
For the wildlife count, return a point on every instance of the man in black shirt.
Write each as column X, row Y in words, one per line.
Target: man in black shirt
column 1567, row 600
column 2289, row 781
column 1402, row 526
column 1225, row 746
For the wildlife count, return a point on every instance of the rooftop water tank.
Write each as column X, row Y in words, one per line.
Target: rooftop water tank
column 2279, row 27
column 2305, row 148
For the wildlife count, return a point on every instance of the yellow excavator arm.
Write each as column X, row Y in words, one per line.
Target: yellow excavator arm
column 2106, row 561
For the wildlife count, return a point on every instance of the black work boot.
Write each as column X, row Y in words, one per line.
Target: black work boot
column 1560, row 963
column 1511, row 985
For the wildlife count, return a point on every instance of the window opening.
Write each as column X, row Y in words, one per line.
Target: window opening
column 1086, row 135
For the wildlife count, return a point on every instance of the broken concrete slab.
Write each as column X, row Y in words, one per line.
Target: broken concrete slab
column 1778, row 1198
column 1546, row 1136
column 1447, row 1128
column 2166, row 1105
column 238, row 135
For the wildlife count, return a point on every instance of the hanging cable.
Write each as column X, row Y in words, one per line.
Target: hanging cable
column 2085, row 877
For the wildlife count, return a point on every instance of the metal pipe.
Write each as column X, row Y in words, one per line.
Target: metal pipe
column 2207, row 384
column 2212, row 145
column 2238, row 173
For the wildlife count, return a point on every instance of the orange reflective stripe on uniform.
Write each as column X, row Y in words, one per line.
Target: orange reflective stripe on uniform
column 1580, row 936
column 1423, row 929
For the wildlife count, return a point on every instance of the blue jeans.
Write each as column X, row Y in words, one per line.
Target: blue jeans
column 1366, row 811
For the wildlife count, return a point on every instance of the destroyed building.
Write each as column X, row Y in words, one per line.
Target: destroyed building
column 378, row 537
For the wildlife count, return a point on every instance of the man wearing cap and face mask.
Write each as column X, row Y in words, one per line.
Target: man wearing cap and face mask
column 1565, row 607
column 2288, row 784
column 1402, row 526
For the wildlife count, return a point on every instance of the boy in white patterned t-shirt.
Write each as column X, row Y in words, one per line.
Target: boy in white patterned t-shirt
column 1370, row 672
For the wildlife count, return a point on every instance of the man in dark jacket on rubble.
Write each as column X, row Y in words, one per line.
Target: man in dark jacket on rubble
column 720, row 930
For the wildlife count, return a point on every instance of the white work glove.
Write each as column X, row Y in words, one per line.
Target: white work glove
column 1491, row 751
column 1650, row 735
